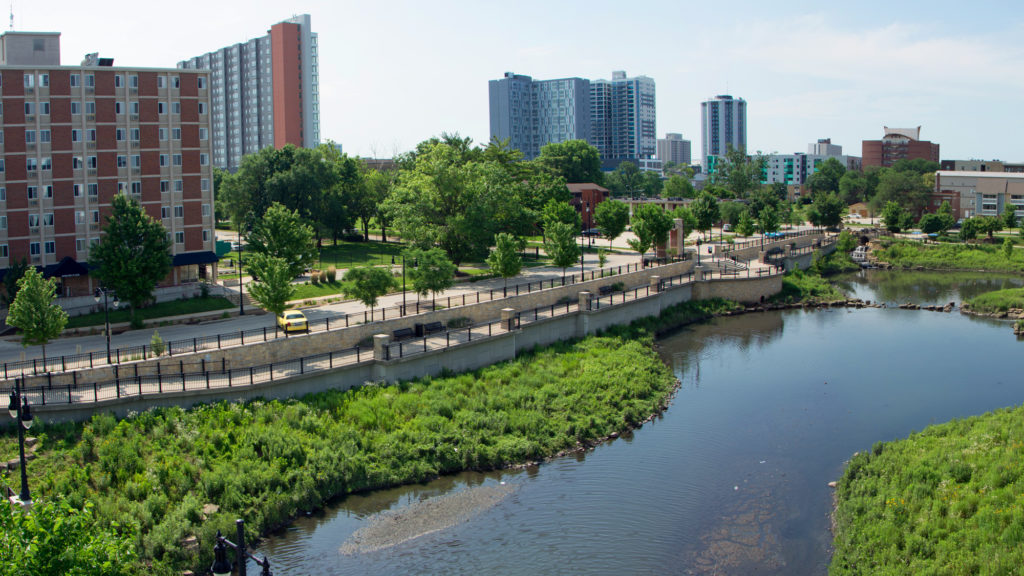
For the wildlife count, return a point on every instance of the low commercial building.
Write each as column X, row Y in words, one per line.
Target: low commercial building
column 978, row 193
column 585, row 198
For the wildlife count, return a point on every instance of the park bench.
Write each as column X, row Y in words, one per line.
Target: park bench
column 605, row 290
column 431, row 327
column 403, row 333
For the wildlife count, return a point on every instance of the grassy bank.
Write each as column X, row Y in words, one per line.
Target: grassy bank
column 998, row 301
column 809, row 287
column 268, row 461
column 948, row 500
column 161, row 310
column 989, row 258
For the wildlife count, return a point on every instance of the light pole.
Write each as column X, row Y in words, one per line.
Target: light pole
column 106, row 311
column 19, row 410
column 241, row 294
column 222, row 566
column 698, row 250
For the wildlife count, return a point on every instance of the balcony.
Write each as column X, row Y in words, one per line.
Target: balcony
column 91, row 172
column 90, row 117
column 134, row 117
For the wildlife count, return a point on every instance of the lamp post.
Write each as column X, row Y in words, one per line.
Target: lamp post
column 241, row 294
column 19, row 410
column 414, row 265
column 222, row 566
column 106, row 311
column 698, row 250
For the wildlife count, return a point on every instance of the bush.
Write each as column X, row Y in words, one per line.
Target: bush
column 332, row 275
column 156, row 344
column 314, row 277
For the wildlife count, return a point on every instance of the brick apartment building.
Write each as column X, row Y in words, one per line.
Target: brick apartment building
column 71, row 137
column 898, row 144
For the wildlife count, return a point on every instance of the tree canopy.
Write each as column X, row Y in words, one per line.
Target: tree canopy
column 281, row 233
column 367, row 284
column 612, row 216
column 505, row 260
column 560, row 245
column 575, row 161
column 274, row 287
column 34, row 311
column 705, row 211
column 651, row 225
column 433, row 272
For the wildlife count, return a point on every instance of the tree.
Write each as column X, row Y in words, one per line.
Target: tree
column 906, row 188
column 612, row 216
column 555, row 211
column 678, row 187
column 1010, row 216
column 705, row 210
column 274, row 287
column 828, row 177
column 631, row 178
column 846, row 242
column 826, row 210
column 739, row 173
column 651, row 225
column 768, row 220
column 367, row 284
column 133, row 254
column 433, row 273
column 968, row 230
column 1008, row 248
column 935, row 223
column 505, row 260
column 730, row 212
column 893, row 217
column 989, row 225
column 33, row 311
column 853, row 187
column 576, row 161
column 917, row 165
column 282, row 234
column 560, row 245
column 687, row 219
column 651, row 184
column 14, row 273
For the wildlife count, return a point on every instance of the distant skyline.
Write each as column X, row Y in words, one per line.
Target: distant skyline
column 393, row 76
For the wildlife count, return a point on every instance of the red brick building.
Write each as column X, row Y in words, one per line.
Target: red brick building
column 71, row 137
column 585, row 198
column 898, row 144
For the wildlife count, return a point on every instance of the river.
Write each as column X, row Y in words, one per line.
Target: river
column 731, row 479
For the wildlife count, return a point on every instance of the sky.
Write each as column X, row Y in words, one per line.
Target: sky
column 395, row 73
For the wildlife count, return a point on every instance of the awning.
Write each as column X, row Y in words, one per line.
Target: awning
column 193, row 258
column 66, row 268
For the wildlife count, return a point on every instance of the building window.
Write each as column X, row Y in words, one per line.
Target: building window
column 46, row 164
column 175, row 82
column 119, row 134
column 33, row 248
column 206, row 210
column 30, row 81
column 133, row 81
column 179, row 186
column 206, row 236
column 90, row 80
column 44, row 136
column 203, row 135
column 76, row 162
column 79, row 245
column 48, row 219
column 175, row 133
column 136, row 187
column 204, row 184
column 179, row 211
column 31, row 164
column 202, row 107
column 165, row 186
column 50, row 247
column 90, row 107
column 176, row 108
column 74, row 80
column 30, row 136
column 30, row 108
column 90, row 162
column 201, row 82
column 78, row 190
column 118, row 107
column 33, row 193
column 80, row 217
column 135, row 134
column 3, row 222
column 165, row 212
column 90, row 134
column 122, row 161
column 136, row 161
column 94, row 191
column 163, row 159
column 204, row 159
column 177, row 159
column 76, row 108
column 161, row 107
column 44, row 80
column 135, row 107
column 96, row 216
column 33, row 220
column 163, row 134
column 76, row 135
column 3, row 194
column 118, row 81
column 161, row 81
column 179, row 237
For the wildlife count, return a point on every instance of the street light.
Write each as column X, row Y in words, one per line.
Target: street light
column 106, row 311
column 415, row 264
column 222, row 566
column 698, row 250
column 19, row 410
column 241, row 294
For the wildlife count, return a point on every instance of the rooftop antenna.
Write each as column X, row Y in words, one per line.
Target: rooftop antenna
column 12, row 16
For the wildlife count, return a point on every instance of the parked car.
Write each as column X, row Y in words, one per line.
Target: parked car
column 292, row 321
column 592, row 232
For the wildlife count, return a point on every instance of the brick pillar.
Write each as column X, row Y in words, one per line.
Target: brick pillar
column 381, row 351
column 655, row 284
column 585, row 298
column 509, row 319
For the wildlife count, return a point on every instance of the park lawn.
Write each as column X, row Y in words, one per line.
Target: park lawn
column 345, row 255
column 947, row 500
column 997, row 301
column 161, row 310
column 983, row 257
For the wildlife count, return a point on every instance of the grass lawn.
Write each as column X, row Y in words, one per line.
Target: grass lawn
column 998, row 301
column 986, row 257
column 161, row 310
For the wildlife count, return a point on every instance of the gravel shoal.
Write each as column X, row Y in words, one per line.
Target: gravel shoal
column 392, row 527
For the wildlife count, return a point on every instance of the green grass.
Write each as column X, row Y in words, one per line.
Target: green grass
column 267, row 461
column 307, row 291
column 161, row 310
column 947, row 500
column 983, row 257
column 998, row 301
column 799, row 286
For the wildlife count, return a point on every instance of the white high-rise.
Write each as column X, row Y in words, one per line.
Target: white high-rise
column 723, row 122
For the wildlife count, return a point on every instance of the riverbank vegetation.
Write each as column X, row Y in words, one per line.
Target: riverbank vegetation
column 998, row 301
column 983, row 257
column 806, row 287
column 168, row 474
column 947, row 500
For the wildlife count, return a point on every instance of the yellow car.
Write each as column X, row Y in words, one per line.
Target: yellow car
column 292, row 321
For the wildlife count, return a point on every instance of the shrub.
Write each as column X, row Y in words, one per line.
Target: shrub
column 156, row 344
column 332, row 274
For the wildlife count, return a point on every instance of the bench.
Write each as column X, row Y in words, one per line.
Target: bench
column 403, row 333
column 605, row 290
column 431, row 327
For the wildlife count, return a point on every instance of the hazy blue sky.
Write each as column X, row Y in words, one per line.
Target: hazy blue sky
column 394, row 73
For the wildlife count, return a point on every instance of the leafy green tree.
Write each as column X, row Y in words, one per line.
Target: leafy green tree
column 505, row 260
column 34, row 312
column 433, row 273
column 741, row 174
column 133, row 254
column 768, row 220
column 59, row 539
column 705, row 210
column 651, row 226
column 687, row 219
column 730, row 212
column 678, row 187
column 828, row 177
column 575, row 161
column 846, row 242
column 281, row 233
column 989, row 225
column 14, row 273
column 1008, row 248
column 612, row 216
column 826, row 210
column 366, row 205
column 274, row 287
column 602, row 257
column 853, row 187
column 555, row 211
column 968, row 230
column 935, row 223
column 893, row 217
column 367, row 284
column 1010, row 216
column 631, row 178
column 156, row 344
column 917, row 165
column 560, row 245
column 652, row 184
column 906, row 188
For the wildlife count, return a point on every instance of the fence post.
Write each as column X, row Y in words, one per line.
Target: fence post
column 302, row 365
column 207, row 380
column 95, row 392
column 251, row 378
column 195, row 348
column 63, row 365
column 218, row 341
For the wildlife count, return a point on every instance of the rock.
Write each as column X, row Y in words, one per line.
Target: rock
column 210, row 509
column 31, row 441
column 832, row 484
column 190, row 543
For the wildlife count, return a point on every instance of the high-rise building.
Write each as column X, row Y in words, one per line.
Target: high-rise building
column 531, row 113
column 623, row 118
column 74, row 136
column 824, row 147
column 723, row 122
column 673, row 148
column 265, row 92
column 898, row 144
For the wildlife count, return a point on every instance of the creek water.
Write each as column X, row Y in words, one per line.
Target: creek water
column 732, row 478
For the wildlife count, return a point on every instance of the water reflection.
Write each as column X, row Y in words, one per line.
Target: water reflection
column 921, row 287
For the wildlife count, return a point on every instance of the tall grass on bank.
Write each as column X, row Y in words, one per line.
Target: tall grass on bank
column 997, row 301
column 799, row 286
column 267, row 461
column 948, row 500
column 989, row 258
